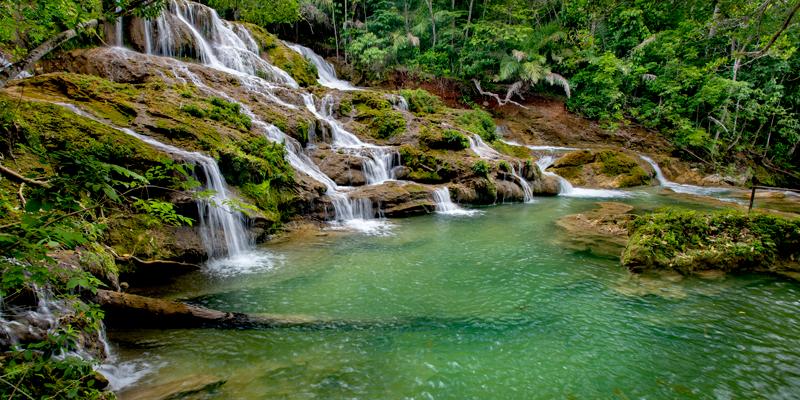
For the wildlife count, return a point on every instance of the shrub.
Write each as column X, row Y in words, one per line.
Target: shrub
column 688, row 241
column 479, row 122
column 421, row 101
column 481, row 168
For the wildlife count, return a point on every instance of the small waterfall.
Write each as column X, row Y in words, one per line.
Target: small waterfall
column 147, row 26
column 567, row 190
column 481, row 149
column 683, row 188
column 399, row 102
column 550, row 149
column 327, row 74
column 217, row 43
column 379, row 161
column 523, row 183
column 222, row 227
column 444, row 205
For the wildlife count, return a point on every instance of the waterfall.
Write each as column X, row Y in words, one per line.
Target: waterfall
column 540, row 148
column 444, row 205
column 523, row 183
column 222, row 227
column 481, row 149
column 567, row 190
column 231, row 49
column 379, row 161
column 148, row 33
column 217, row 43
column 399, row 102
column 327, row 74
column 684, row 188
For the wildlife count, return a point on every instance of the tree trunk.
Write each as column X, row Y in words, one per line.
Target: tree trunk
column 335, row 28
column 469, row 20
column 433, row 20
column 51, row 44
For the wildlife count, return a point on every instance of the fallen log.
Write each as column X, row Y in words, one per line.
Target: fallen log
column 124, row 310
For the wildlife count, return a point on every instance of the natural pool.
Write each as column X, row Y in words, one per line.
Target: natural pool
column 490, row 306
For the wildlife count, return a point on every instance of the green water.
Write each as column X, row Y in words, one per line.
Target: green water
column 484, row 307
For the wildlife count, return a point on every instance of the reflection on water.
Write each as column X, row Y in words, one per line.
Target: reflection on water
column 486, row 307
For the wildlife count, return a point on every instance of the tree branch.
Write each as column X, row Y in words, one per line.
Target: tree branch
column 777, row 34
column 16, row 176
column 54, row 42
column 513, row 89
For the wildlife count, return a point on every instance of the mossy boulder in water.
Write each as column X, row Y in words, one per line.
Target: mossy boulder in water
column 606, row 169
column 690, row 241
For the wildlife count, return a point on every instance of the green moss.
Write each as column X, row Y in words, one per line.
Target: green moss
column 382, row 123
column 424, row 166
column 375, row 113
column 689, row 241
column 480, row 123
column 304, row 72
column 575, row 159
column 254, row 161
column 481, row 168
column 420, row 101
column 446, row 140
column 511, row 150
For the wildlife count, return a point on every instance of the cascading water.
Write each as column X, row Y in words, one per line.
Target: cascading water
column 540, row 148
column 683, row 188
column 444, row 205
column 399, row 102
column 567, row 190
column 527, row 191
column 481, row 149
column 379, row 161
column 222, row 228
column 216, row 43
column 327, row 74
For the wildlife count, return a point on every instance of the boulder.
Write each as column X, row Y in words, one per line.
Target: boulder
column 603, row 230
column 343, row 168
column 608, row 169
column 398, row 199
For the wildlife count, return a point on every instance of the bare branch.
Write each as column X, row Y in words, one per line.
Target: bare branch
column 17, row 177
column 513, row 89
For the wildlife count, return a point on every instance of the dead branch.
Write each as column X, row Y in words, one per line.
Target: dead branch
column 512, row 90
column 17, row 177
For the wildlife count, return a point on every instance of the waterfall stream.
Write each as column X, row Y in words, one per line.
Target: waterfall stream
column 327, row 74
column 222, row 227
column 482, row 150
column 444, row 205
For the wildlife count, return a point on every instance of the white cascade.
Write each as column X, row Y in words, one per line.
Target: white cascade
column 540, row 148
column 379, row 161
column 216, row 43
column 444, row 205
column 567, row 190
column 683, row 188
column 325, row 70
column 399, row 102
column 481, row 149
column 222, row 227
column 527, row 191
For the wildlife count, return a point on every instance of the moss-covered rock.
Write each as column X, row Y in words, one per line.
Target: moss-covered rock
column 603, row 168
column 448, row 139
column 691, row 241
column 425, row 167
column 373, row 114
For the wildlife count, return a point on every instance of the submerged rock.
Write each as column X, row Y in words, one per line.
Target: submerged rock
column 190, row 387
column 603, row 230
